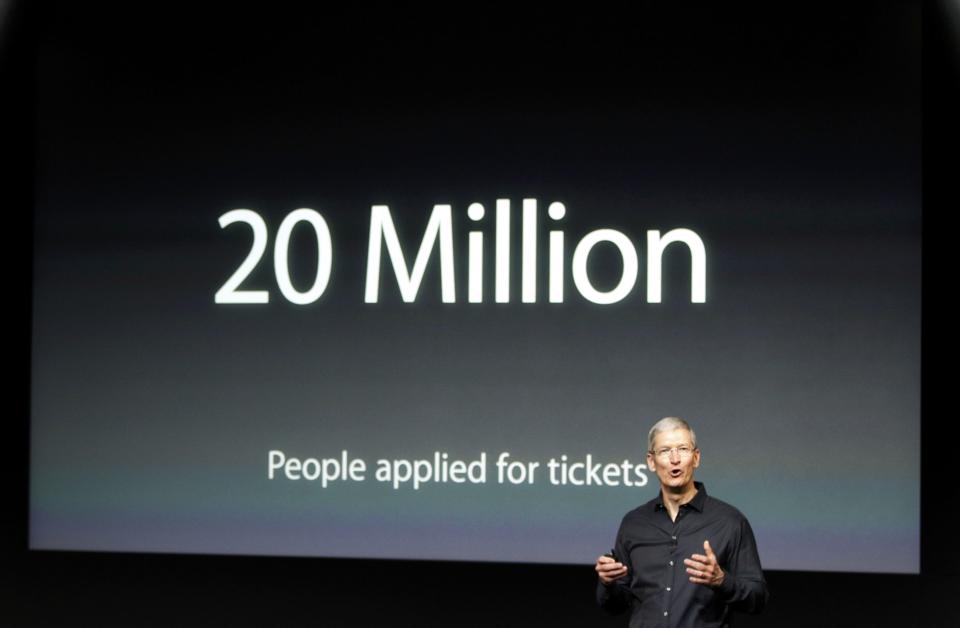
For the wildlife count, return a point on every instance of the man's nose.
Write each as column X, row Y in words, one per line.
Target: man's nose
column 674, row 455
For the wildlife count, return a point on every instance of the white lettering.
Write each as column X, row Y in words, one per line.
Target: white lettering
column 381, row 228
column 630, row 264
column 698, row 263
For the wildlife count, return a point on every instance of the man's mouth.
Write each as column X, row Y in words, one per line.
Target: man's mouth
column 675, row 473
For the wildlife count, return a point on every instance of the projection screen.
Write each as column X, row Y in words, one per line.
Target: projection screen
column 286, row 305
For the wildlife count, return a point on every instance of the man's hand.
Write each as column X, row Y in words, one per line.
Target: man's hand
column 609, row 570
column 704, row 569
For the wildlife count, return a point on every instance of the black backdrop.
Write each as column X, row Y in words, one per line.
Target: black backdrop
column 66, row 588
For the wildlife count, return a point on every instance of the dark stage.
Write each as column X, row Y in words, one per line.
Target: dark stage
column 873, row 82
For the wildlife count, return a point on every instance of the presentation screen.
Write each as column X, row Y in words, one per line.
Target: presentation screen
column 307, row 297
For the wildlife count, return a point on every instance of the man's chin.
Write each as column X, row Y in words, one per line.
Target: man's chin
column 678, row 484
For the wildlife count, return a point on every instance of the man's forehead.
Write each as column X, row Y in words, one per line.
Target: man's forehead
column 672, row 438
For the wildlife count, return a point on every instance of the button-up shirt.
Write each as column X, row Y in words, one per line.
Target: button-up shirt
column 657, row 587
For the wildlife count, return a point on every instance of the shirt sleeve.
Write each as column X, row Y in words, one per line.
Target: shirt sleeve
column 744, row 588
column 615, row 597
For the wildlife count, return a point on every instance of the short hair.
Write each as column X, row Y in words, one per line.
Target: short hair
column 668, row 424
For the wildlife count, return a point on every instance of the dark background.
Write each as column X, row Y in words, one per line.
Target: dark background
column 152, row 406
column 769, row 54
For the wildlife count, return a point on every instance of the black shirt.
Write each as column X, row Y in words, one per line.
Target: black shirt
column 657, row 586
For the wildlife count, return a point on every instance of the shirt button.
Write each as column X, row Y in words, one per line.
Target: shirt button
column 668, row 588
column 674, row 538
column 671, row 563
column 665, row 613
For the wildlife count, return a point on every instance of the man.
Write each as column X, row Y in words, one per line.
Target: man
column 683, row 558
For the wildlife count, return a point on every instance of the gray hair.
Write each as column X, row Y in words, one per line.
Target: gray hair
column 668, row 424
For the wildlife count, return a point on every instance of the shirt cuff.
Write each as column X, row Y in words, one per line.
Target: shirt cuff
column 728, row 588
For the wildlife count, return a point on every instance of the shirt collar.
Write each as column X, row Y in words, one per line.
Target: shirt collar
column 696, row 503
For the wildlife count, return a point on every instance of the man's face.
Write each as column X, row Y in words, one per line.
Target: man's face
column 674, row 459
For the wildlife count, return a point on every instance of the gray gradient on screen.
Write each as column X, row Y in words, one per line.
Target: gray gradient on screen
column 154, row 409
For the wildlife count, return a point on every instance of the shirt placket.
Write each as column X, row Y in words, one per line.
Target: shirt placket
column 675, row 563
